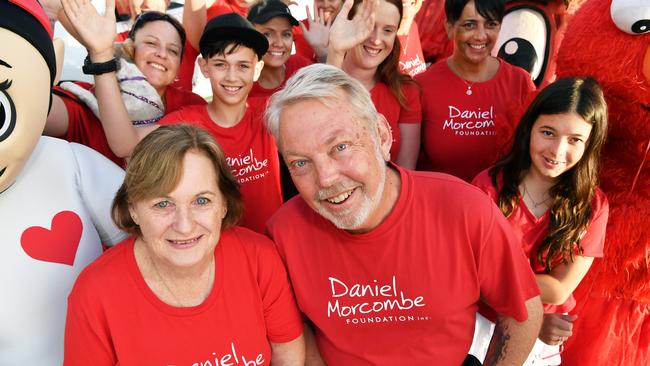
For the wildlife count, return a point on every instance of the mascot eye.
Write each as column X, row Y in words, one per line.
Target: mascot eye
column 7, row 112
column 523, row 41
column 631, row 16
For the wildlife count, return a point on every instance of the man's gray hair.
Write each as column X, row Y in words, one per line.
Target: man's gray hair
column 323, row 83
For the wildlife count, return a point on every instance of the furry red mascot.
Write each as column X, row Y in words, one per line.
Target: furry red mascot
column 610, row 40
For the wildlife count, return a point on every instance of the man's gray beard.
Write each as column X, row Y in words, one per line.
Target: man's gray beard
column 353, row 220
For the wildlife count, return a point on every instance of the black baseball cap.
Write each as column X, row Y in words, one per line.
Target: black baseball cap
column 264, row 10
column 233, row 27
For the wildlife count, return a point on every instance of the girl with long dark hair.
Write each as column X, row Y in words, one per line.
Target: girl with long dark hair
column 547, row 187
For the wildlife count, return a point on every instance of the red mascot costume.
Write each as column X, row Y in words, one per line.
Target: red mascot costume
column 610, row 40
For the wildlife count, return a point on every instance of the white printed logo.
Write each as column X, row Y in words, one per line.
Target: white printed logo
column 413, row 66
column 231, row 358
column 470, row 122
column 247, row 168
column 372, row 303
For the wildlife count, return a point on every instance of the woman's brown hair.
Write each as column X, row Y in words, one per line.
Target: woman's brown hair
column 156, row 167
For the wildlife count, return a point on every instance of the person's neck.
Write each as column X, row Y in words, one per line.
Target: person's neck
column 478, row 72
column 226, row 115
column 537, row 183
column 174, row 285
column 271, row 77
column 367, row 77
column 536, row 192
column 162, row 92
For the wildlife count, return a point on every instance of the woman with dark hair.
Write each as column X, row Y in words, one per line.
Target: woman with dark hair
column 189, row 287
column 155, row 47
column 273, row 19
column 547, row 187
column 469, row 98
column 364, row 44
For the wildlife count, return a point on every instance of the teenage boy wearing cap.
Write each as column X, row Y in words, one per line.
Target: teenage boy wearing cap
column 231, row 51
column 273, row 19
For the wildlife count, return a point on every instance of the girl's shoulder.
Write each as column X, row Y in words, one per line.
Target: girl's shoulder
column 599, row 202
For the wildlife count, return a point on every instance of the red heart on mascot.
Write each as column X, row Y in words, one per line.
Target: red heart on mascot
column 57, row 245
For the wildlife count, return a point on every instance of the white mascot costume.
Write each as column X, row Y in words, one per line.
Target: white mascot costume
column 55, row 196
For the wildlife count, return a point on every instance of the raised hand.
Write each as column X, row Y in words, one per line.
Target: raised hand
column 319, row 30
column 96, row 32
column 345, row 33
column 52, row 8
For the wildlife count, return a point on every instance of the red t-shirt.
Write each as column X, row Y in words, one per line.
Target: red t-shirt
column 186, row 69
column 85, row 128
column 388, row 105
column 411, row 59
column 531, row 231
column 406, row 292
column 251, row 152
column 459, row 131
column 121, row 37
column 293, row 64
column 115, row 318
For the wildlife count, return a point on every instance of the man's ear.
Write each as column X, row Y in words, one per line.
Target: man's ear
column 59, row 52
column 258, row 69
column 385, row 136
column 203, row 65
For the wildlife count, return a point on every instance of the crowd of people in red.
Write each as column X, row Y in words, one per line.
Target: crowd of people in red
column 337, row 199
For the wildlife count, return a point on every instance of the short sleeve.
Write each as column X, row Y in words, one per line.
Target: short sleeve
column 505, row 277
column 281, row 314
column 98, row 180
column 86, row 339
column 412, row 112
column 593, row 242
column 483, row 181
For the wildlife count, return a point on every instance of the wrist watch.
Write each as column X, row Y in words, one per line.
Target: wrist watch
column 91, row 68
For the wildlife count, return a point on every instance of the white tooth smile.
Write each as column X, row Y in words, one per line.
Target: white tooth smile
column 371, row 51
column 157, row 66
column 184, row 242
column 478, row 46
column 232, row 88
column 554, row 162
column 340, row 198
column 276, row 53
